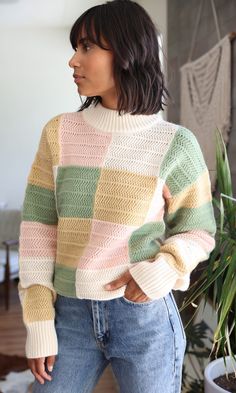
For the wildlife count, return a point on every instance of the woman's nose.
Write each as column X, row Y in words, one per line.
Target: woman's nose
column 74, row 61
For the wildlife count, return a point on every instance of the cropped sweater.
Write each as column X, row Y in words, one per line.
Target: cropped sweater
column 106, row 194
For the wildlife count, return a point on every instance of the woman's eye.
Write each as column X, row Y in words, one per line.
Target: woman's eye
column 85, row 46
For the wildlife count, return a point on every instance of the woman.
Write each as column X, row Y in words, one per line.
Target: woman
column 115, row 196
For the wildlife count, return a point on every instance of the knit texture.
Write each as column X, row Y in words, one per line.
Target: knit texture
column 107, row 194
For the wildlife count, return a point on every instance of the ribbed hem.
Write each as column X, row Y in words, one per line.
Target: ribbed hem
column 109, row 120
column 41, row 339
column 156, row 279
column 90, row 283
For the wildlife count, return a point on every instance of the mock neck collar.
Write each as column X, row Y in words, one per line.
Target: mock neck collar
column 109, row 120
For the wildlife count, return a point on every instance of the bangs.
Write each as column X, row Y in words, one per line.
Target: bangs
column 89, row 23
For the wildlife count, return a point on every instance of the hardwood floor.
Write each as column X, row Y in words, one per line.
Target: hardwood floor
column 13, row 335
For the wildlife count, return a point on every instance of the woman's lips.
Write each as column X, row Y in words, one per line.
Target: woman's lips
column 78, row 79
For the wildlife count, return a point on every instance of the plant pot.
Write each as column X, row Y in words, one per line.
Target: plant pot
column 213, row 370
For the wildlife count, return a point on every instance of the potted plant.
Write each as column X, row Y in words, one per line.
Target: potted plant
column 217, row 281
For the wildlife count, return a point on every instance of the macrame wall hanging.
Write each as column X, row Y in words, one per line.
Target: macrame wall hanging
column 205, row 96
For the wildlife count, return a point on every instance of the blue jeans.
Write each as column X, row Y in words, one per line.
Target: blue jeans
column 144, row 343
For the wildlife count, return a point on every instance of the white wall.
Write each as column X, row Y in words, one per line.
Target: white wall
column 36, row 84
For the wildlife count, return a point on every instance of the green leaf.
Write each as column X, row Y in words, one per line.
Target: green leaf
column 227, row 303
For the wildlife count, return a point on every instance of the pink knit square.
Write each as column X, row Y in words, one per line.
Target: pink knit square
column 37, row 240
column 107, row 246
column 80, row 144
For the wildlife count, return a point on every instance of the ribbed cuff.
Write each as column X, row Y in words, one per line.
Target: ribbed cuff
column 156, row 279
column 41, row 339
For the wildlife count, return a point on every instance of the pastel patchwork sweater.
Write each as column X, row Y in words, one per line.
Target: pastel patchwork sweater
column 106, row 194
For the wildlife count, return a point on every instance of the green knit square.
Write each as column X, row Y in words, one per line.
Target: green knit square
column 75, row 191
column 39, row 205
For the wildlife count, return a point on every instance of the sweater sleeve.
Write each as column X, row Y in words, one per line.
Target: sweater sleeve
column 189, row 219
column 37, row 250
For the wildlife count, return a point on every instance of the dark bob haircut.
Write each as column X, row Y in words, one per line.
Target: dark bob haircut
column 133, row 38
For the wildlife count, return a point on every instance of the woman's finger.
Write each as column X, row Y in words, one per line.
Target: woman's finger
column 40, row 369
column 32, row 366
column 50, row 362
column 39, row 378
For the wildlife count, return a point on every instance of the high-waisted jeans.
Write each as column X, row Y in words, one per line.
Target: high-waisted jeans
column 143, row 342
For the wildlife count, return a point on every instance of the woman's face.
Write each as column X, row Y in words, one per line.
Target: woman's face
column 95, row 66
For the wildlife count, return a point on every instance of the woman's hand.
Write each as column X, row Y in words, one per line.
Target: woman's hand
column 37, row 367
column 132, row 292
